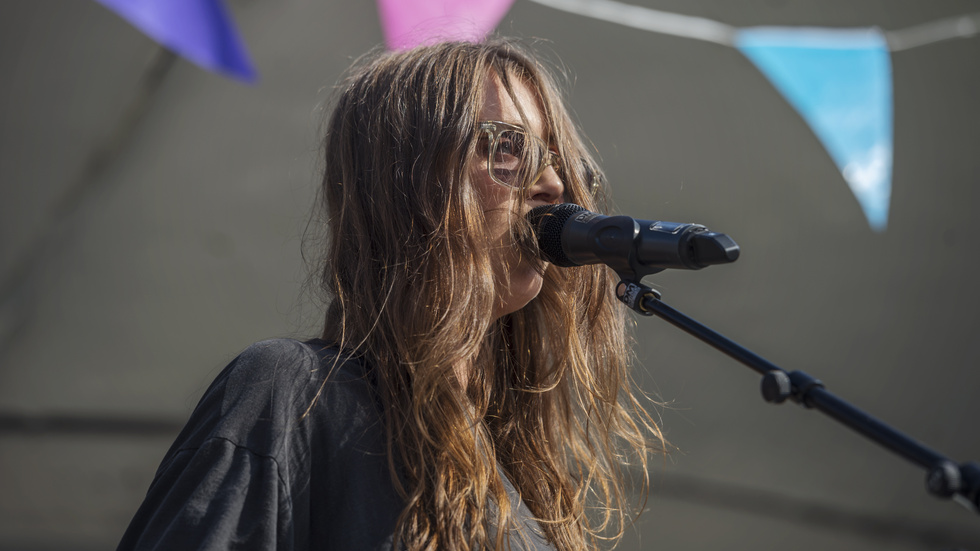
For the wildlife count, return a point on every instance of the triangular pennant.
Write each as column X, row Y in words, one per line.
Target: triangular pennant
column 199, row 30
column 409, row 23
column 839, row 80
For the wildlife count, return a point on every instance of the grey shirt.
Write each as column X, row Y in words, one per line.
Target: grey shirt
column 257, row 467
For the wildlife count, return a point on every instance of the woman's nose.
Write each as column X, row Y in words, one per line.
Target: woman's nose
column 548, row 189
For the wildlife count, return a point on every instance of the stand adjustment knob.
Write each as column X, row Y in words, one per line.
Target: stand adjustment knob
column 944, row 479
column 776, row 386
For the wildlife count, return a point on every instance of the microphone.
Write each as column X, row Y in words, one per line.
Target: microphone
column 570, row 235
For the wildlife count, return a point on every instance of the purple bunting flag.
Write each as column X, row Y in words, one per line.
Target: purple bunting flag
column 199, row 30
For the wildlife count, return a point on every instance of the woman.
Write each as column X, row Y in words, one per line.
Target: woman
column 463, row 394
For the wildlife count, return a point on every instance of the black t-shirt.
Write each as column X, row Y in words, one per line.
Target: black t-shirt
column 266, row 463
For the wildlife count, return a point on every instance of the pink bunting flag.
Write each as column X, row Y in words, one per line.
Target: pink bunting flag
column 410, row 23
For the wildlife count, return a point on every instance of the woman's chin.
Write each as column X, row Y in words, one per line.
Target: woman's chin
column 524, row 287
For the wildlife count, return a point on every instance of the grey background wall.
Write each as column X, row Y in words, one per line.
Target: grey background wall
column 151, row 216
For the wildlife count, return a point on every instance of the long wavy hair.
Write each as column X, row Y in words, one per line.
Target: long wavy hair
column 407, row 271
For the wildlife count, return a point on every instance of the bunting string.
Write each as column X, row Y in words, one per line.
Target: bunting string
column 709, row 30
column 837, row 79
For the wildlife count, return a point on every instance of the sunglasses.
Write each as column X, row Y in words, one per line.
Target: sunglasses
column 515, row 158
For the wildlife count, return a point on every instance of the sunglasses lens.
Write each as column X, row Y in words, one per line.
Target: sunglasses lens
column 510, row 157
column 517, row 160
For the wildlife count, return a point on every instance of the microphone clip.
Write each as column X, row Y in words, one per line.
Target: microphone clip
column 635, row 295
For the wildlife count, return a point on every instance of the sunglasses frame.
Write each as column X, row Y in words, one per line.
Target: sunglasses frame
column 494, row 129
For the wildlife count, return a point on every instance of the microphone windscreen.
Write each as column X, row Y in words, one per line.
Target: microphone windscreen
column 548, row 221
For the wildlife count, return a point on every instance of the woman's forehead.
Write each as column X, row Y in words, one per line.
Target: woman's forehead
column 499, row 106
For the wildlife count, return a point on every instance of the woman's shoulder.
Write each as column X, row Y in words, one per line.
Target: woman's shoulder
column 292, row 359
column 282, row 370
column 284, row 429
column 280, row 392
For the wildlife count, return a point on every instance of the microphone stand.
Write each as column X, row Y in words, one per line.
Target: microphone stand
column 945, row 478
